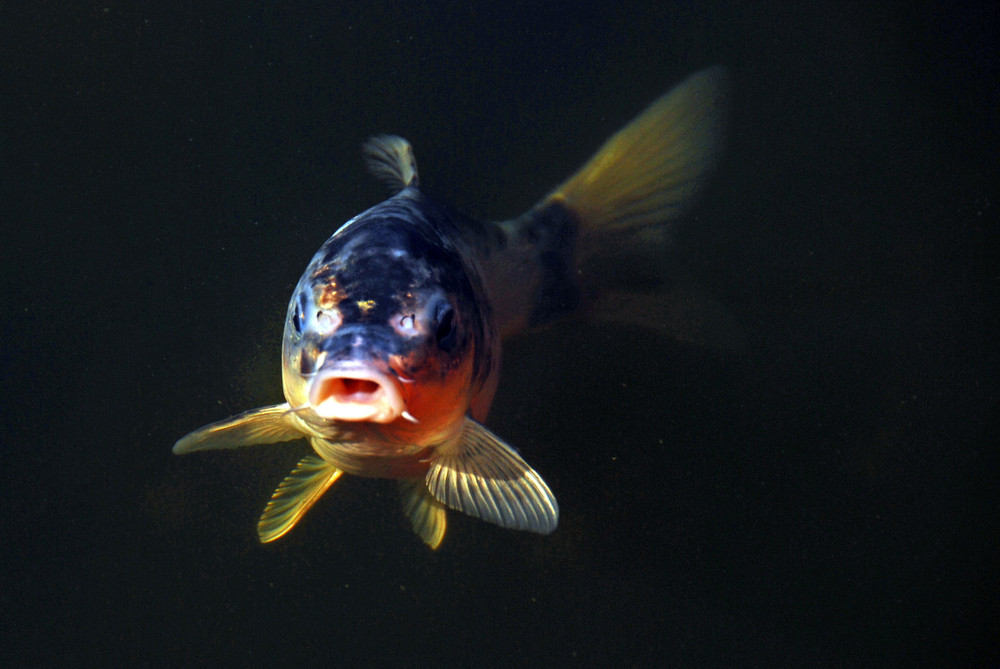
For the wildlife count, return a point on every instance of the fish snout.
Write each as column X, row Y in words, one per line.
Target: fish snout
column 356, row 393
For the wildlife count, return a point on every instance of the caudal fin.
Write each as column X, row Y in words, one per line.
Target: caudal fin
column 651, row 170
column 593, row 246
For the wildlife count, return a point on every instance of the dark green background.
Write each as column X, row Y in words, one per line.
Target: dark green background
column 828, row 497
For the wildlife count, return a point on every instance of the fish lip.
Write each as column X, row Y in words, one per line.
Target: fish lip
column 356, row 392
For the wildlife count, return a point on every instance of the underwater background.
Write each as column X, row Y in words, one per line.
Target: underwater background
column 820, row 489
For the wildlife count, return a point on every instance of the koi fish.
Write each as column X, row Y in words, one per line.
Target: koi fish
column 392, row 339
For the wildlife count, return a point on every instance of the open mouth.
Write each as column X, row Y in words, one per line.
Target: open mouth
column 356, row 393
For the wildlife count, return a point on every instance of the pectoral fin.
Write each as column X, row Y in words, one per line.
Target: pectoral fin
column 257, row 426
column 482, row 476
column 294, row 496
column 426, row 514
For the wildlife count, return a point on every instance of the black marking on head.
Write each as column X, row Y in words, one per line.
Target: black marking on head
column 405, row 256
column 308, row 356
column 385, row 259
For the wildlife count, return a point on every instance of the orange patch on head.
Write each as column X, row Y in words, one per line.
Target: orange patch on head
column 438, row 399
column 328, row 294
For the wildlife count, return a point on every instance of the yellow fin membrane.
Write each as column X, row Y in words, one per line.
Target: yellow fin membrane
column 651, row 170
column 390, row 158
column 294, row 496
column 257, row 426
column 483, row 477
column 426, row 514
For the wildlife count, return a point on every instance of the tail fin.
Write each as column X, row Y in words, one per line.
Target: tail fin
column 652, row 169
column 597, row 237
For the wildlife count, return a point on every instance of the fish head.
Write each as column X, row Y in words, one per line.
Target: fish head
column 382, row 329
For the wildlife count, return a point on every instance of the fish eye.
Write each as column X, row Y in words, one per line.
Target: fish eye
column 444, row 331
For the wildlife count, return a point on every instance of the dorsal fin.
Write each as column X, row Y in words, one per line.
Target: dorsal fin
column 390, row 159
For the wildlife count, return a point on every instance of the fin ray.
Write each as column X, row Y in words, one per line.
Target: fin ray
column 483, row 477
column 652, row 169
column 257, row 426
column 610, row 221
column 390, row 158
column 294, row 496
column 427, row 515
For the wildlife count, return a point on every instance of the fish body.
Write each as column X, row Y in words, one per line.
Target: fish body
column 392, row 343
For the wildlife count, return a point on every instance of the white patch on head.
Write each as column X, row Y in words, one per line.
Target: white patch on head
column 406, row 325
column 328, row 320
column 416, row 318
column 345, row 225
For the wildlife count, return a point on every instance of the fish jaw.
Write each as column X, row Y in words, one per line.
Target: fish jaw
column 354, row 392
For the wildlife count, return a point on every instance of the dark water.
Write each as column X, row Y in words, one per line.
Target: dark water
column 827, row 497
